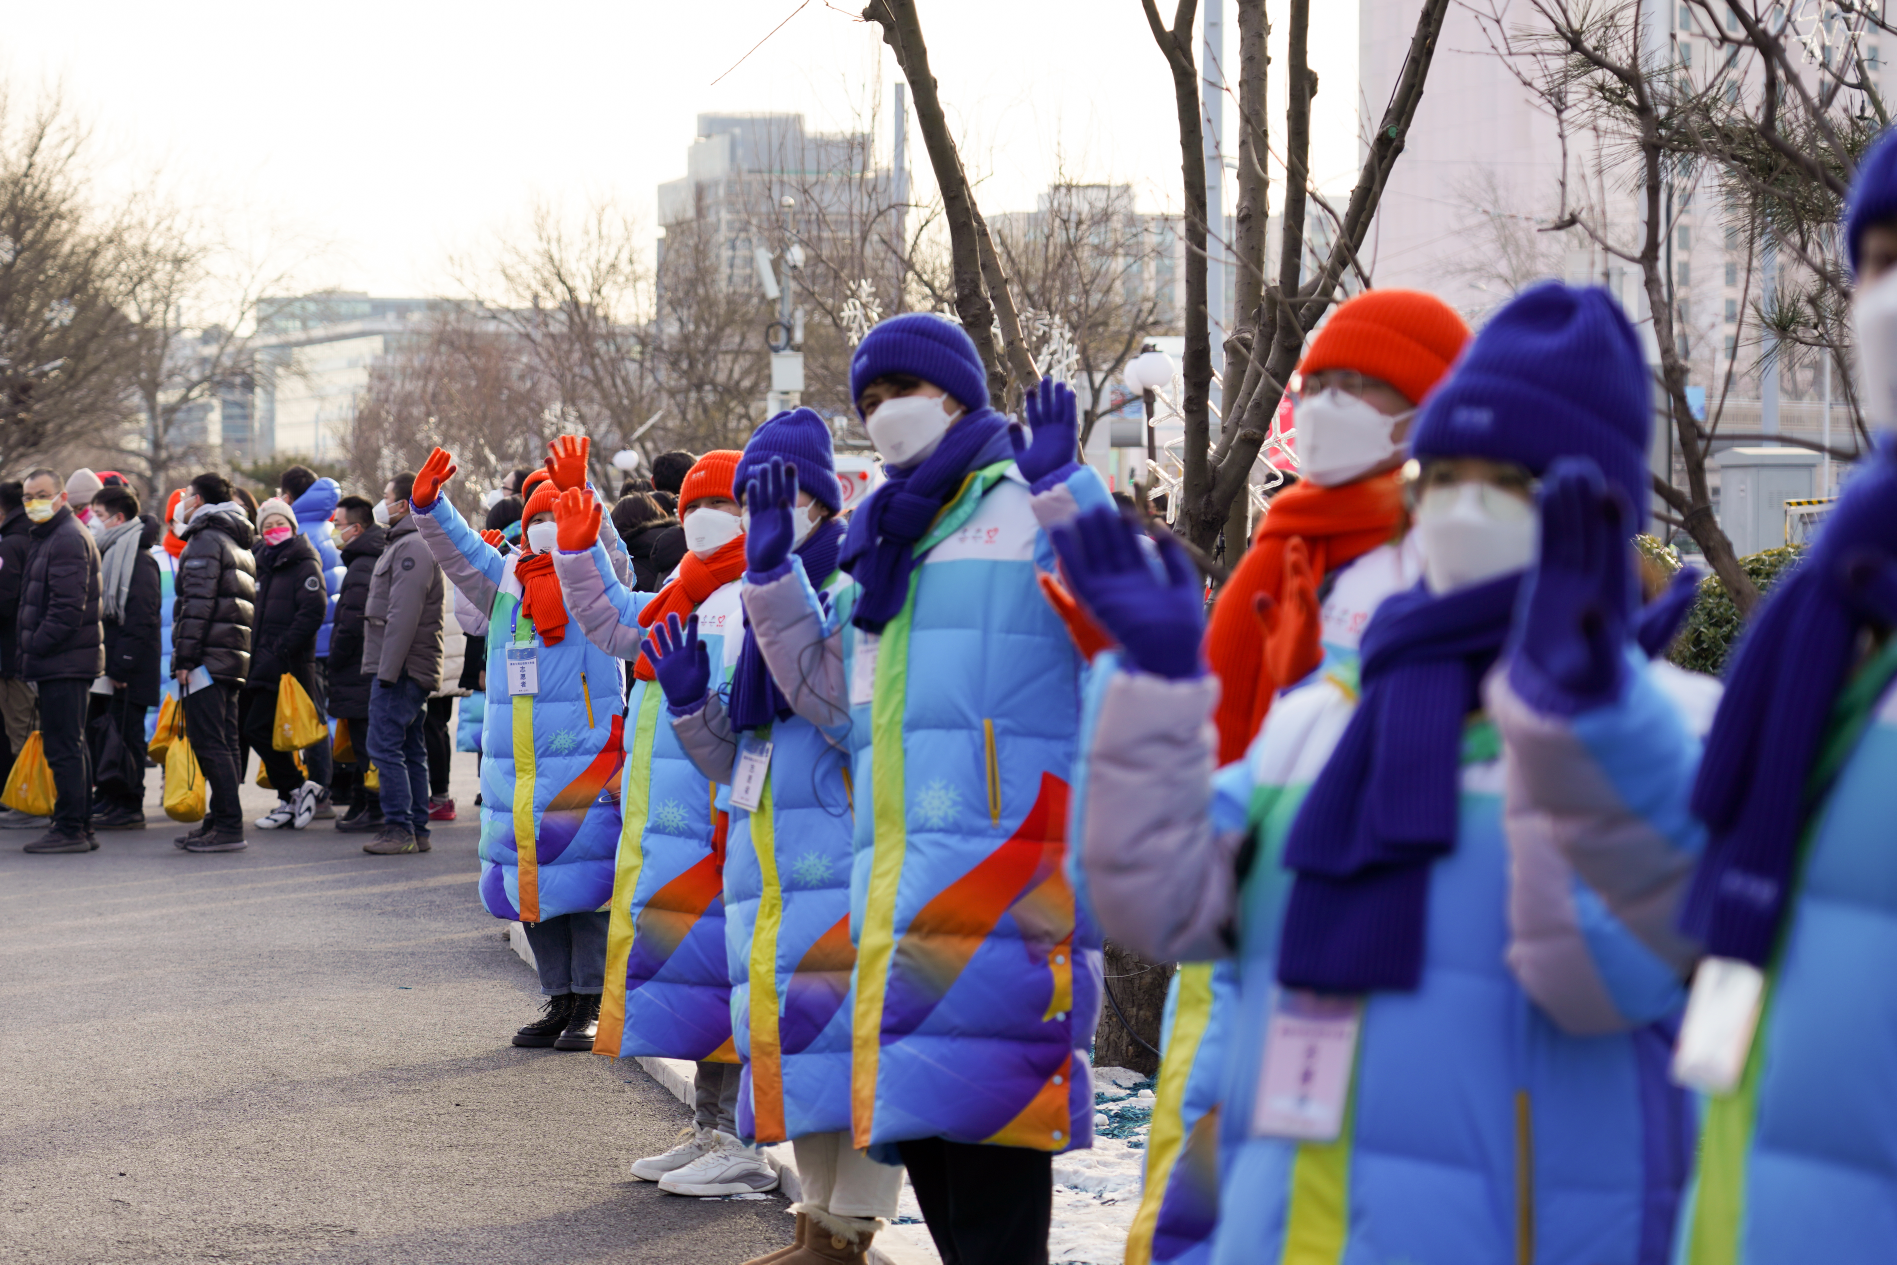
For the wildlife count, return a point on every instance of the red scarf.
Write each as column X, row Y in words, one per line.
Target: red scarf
column 540, row 599
column 697, row 580
column 1263, row 634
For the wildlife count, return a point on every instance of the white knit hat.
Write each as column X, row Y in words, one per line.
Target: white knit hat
column 83, row 486
column 276, row 505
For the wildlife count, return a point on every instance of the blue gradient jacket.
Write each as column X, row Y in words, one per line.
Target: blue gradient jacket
column 312, row 510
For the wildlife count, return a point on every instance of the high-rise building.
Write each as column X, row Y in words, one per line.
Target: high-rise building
column 313, row 356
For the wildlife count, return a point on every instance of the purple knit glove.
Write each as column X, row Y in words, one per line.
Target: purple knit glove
column 769, row 497
column 1047, row 458
column 681, row 662
column 1570, row 639
column 1159, row 621
column 1659, row 620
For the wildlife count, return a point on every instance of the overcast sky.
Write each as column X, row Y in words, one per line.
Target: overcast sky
column 396, row 132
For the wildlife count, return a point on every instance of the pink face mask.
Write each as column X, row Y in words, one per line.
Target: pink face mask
column 276, row 535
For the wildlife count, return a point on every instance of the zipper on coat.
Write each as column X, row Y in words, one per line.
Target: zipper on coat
column 994, row 773
column 1524, row 1181
column 589, row 698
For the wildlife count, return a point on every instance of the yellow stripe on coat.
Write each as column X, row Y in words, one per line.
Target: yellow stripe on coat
column 634, row 802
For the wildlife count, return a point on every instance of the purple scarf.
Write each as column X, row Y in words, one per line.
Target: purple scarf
column 1754, row 787
column 880, row 553
column 755, row 699
column 1385, row 805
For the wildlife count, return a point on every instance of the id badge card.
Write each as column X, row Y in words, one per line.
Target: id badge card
column 523, row 670
column 747, row 776
column 1310, row 1048
column 1722, row 1013
column 863, row 668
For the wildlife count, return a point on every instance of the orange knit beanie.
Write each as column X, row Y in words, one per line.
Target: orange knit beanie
column 1403, row 337
column 711, row 476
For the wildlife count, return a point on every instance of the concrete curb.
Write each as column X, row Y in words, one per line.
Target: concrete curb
column 898, row 1245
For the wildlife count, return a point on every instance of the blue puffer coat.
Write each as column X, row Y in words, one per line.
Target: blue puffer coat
column 549, row 823
column 313, row 509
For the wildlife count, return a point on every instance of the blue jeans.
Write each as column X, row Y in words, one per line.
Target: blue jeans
column 397, row 716
column 570, row 952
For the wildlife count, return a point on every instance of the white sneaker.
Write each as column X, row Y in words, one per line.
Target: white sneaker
column 277, row 818
column 729, row 1168
column 303, row 805
column 693, row 1144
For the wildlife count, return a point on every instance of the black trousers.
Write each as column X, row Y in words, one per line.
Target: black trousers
column 63, row 730
column 985, row 1205
column 440, row 739
column 260, row 728
column 318, row 758
column 210, row 722
column 131, row 725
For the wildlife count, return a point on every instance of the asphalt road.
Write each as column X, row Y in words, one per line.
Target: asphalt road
column 300, row 1053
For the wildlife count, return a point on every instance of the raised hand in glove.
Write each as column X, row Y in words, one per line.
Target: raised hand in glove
column 681, row 662
column 1158, row 619
column 437, row 470
column 1659, row 620
column 1570, row 641
column 1047, row 456
column 566, row 461
column 577, row 516
column 494, row 537
column 769, row 498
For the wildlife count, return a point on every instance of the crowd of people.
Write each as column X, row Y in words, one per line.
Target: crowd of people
column 1505, row 940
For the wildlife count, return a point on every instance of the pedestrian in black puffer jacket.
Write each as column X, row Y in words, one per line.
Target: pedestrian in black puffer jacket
column 62, row 651
column 655, row 543
column 210, row 629
column 17, row 702
column 292, row 601
column 130, row 594
column 361, row 539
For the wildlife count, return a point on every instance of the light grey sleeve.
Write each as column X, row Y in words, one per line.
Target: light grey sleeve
column 1159, row 874
column 448, row 537
column 708, row 739
column 606, row 609
column 804, row 655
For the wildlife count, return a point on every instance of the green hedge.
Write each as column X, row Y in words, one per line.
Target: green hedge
column 1714, row 622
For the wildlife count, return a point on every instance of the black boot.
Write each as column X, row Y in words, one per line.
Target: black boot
column 545, row 1030
column 581, row 1024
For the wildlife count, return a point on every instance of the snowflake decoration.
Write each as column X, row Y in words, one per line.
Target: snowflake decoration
column 812, row 869
column 59, row 312
column 670, row 818
column 1053, row 344
column 937, row 803
column 563, row 742
column 861, row 310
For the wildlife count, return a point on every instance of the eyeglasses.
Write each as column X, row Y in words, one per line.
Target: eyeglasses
column 1349, row 381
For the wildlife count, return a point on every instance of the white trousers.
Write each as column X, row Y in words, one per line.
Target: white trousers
column 843, row 1181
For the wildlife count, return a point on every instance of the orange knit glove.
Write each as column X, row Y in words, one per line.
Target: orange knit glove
column 566, row 461
column 493, row 537
column 437, row 470
column 578, row 516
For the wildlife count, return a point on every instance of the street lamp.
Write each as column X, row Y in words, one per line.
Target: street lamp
column 1146, row 373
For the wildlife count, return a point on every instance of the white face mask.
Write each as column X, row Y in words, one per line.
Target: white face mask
column 543, row 537
column 803, row 521
column 491, row 498
column 907, row 429
column 1874, row 322
column 182, row 515
column 708, row 530
column 382, row 513
column 1472, row 533
column 1341, row 438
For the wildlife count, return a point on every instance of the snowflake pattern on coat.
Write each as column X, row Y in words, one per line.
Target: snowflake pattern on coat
column 937, row 803
column 671, row 818
column 809, row 871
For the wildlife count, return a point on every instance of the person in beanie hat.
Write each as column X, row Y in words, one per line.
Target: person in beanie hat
column 550, row 742
column 1337, row 531
column 81, row 486
column 960, row 688
column 1469, row 1110
column 291, row 607
column 665, row 942
column 786, row 884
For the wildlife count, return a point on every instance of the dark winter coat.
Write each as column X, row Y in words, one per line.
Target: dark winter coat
column 655, row 549
column 349, row 685
column 134, row 643
column 406, row 610
column 15, row 544
column 60, row 633
column 291, row 603
column 217, row 594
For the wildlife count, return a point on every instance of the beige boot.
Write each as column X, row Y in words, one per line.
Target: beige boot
column 833, row 1240
column 797, row 1241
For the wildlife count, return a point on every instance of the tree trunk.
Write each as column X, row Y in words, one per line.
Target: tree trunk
column 1140, row 988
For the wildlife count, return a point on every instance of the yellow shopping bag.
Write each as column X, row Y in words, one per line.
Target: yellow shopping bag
column 185, row 792
column 344, row 748
column 170, row 725
column 371, row 780
column 263, row 774
column 298, row 725
column 30, row 786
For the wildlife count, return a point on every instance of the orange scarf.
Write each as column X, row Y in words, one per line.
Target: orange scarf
column 1263, row 634
column 697, row 580
column 540, row 599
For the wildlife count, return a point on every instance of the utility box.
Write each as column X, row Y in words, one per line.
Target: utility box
column 787, row 371
column 1754, row 484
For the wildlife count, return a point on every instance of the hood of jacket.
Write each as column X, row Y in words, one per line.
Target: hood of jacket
column 369, row 544
column 15, row 524
column 228, row 517
column 318, row 502
column 641, row 540
column 150, row 530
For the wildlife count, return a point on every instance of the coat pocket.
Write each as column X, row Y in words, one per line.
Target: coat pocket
column 994, row 772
